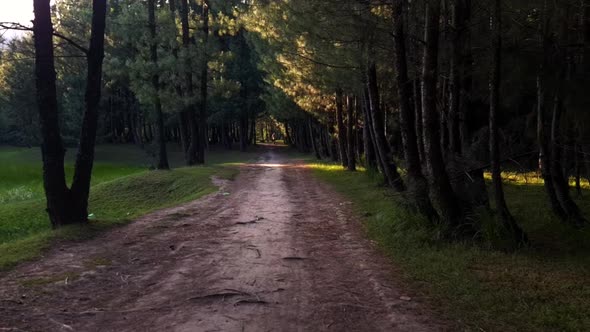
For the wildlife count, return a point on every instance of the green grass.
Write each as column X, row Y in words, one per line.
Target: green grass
column 122, row 189
column 541, row 288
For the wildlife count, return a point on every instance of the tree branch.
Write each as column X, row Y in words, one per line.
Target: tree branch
column 20, row 27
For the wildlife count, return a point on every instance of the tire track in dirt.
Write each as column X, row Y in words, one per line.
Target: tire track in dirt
column 281, row 252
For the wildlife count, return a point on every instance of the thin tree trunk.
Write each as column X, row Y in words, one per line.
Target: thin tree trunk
column 162, row 155
column 455, row 79
column 389, row 168
column 350, row 135
column 440, row 185
column 312, row 139
column 418, row 119
column 204, row 80
column 544, row 158
column 341, row 129
column 191, row 116
column 370, row 158
column 518, row 235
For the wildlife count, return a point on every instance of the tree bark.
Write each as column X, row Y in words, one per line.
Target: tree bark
column 66, row 206
column 560, row 182
column 350, row 135
column 191, row 116
column 455, row 88
column 506, row 218
column 204, row 80
column 418, row 119
column 383, row 153
column 341, row 129
column 417, row 184
column 52, row 149
column 161, row 154
column 370, row 158
column 312, row 139
column 440, row 186
column 85, row 157
column 544, row 158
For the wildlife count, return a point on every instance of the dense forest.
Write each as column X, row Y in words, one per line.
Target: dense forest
column 430, row 94
column 310, row 165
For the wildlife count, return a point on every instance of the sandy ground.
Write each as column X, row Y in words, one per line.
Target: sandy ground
column 273, row 250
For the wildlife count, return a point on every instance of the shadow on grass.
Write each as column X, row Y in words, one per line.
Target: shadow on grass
column 540, row 288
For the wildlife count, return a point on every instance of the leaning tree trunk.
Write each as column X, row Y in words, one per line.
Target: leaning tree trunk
column 417, row 183
column 504, row 214
column 350, row 134
column 419, row 125
column 162, row 155
column 440, row 185
column 369, row 148
column 341, row 129
column 85, row 157
column 52, row 149
column 388, row 167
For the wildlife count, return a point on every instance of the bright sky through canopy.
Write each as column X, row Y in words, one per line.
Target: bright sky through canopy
column 20, row 11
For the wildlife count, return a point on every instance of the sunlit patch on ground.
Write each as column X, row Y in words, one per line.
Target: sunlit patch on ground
column 532, row 178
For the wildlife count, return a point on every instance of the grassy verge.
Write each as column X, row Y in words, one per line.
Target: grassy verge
column 541, row 288
column 122, row 190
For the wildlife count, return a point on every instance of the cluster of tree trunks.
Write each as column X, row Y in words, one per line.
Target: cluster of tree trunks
column 444, row 180
column 67, row 205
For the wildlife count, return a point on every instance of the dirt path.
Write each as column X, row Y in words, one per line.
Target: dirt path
column 274, row 250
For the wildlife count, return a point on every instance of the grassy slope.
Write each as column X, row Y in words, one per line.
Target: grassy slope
column 542, row 288
column 122, row 190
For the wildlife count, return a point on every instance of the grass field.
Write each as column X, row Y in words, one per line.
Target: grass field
column 122, row 189
column 540, row 288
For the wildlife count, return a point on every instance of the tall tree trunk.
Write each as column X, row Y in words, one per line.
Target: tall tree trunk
column 161, row 155
column 506, row 218
column 191, row 116
column 312, row 139
column 204, row 80
column 418, row 119
column 182, row 115
column 370, row 158
column 388, row 167
column 544, row 157
column 341, row 129
column 243, row 132
column 560, row 182
column 457, row 27
column 440, row 186
column 417, row 184
column 52, row 149
column 85, row 157
column 350, row 135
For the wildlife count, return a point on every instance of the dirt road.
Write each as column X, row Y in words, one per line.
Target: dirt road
column 274, row 250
